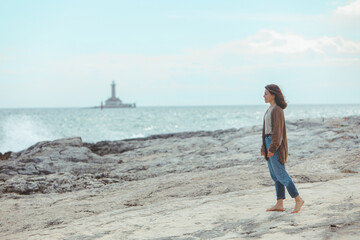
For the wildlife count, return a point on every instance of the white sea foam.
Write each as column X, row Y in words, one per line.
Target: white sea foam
column 21, row 131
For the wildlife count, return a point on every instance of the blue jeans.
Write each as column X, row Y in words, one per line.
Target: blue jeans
column 279, row 175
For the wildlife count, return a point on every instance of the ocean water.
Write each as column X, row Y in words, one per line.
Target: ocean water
column 21, row 128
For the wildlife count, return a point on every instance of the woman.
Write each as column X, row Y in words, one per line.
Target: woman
column 275, row 149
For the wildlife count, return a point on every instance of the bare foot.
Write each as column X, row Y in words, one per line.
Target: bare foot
column 276, row 208
column 298, row 205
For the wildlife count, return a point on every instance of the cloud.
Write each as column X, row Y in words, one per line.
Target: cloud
column 265, row 49
column 246, row 16
column 7, row 72
column 351, row 10
column 271, row 45
column 271, row 42
column 347, row 16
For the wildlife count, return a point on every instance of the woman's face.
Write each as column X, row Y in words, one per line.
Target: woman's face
column 268, row 96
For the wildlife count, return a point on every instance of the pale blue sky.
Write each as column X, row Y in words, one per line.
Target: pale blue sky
column 66, row 53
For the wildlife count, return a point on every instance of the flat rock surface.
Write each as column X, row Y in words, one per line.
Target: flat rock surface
column 193, row 185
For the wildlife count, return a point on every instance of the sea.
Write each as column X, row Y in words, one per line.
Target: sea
column 21, row 128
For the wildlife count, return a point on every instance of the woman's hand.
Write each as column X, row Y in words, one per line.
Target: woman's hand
column 262, row 154
column 270, row 154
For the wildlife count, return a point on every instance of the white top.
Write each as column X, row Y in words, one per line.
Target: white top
column 267, row 118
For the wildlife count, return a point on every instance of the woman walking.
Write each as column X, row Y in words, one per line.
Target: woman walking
column 275, row 149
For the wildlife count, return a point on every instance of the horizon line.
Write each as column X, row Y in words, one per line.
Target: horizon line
column 210, row 105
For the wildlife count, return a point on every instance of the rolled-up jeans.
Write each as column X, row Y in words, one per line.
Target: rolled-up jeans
column 279, row 175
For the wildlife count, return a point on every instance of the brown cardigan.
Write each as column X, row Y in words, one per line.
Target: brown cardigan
column 278, row 140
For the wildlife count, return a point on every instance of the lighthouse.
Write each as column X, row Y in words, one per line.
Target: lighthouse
column 114, row 102
column 113, row 94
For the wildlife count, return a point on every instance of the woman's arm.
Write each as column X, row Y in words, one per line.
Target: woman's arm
column 263, row 148
column 277, row 122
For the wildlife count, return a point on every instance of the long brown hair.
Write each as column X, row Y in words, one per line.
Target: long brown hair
column 279, row 97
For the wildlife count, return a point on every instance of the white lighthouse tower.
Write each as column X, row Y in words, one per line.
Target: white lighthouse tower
column 114, row 102
column 113, row 94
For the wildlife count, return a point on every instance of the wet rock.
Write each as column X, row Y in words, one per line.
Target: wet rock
column 5, row 155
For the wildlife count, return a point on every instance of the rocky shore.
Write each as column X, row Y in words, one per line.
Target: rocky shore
column 192, row 185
